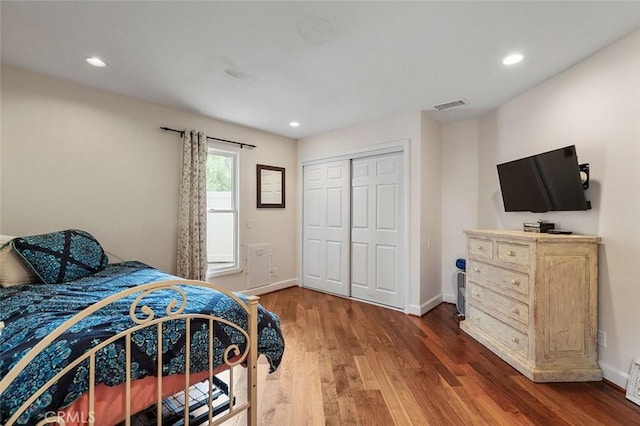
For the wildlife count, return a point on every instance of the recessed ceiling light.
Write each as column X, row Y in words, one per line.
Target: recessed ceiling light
column 512, row 59
column 96, row 62
column 294, row 124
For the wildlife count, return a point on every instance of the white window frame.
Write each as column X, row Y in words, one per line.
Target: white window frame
column 235, row 191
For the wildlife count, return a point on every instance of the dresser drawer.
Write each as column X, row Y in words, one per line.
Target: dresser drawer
column 510, row 337
column 513, row 253
column 481, row 248
column 495, row 302
column 502, row 279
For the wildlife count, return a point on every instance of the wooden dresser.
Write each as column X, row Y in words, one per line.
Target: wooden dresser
column 532, row 299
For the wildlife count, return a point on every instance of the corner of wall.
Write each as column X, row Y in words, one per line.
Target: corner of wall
column 612, row 374
column 430, row 209
column 459, row 157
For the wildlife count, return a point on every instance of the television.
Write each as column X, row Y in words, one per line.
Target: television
column 544, row 182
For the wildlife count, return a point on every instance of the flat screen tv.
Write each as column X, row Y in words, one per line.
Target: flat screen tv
column 545, row 182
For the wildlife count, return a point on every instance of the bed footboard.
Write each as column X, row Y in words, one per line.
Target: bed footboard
column 146, row 319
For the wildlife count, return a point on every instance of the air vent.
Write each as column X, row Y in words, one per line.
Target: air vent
column 450, row 105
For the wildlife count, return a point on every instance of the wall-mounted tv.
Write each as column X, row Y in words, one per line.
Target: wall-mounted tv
column 545, row 182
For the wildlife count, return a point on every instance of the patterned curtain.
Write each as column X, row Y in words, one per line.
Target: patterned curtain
column 192, row 220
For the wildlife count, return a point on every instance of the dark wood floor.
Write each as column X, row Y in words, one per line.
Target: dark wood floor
column 353, row 363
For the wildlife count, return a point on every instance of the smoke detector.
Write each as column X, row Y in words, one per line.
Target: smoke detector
column 450, row 105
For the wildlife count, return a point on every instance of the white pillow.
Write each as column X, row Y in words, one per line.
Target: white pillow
column 13, row 270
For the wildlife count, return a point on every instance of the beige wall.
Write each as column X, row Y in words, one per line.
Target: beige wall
column 79, row 157
column 430, row 212
column 424, row 293
column 459, row 197
column 596, row 106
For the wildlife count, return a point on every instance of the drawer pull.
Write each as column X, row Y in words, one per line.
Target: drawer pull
column 515, row 311
column 481, row 248
column 477, row 294
column 514, row 339
column 511, row 253
column 476, row 269
column 515, row 282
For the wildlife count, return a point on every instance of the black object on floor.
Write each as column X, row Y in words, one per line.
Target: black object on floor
column 173, row 406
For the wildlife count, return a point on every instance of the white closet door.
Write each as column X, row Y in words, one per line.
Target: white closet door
column 376, row 236
column 326, row 228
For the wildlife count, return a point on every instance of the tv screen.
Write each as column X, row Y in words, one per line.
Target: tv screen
column 545, row 182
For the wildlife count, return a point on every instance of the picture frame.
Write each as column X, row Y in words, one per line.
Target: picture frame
column 270, row 187
column 633, row 385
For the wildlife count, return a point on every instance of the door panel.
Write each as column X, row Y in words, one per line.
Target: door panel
column 359, row 216
column 386, row 268
column 312, row 217
column 360, row 261
column 334, row 263
column 335, row 215
column 385, row 213
column 326, row 227
column 377, row 232
column 312, row 258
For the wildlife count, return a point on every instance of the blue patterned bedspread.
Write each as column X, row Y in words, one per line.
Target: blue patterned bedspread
column 30, row 312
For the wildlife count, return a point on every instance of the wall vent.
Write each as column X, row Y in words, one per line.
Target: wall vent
column 258, row 264
column 450, row 105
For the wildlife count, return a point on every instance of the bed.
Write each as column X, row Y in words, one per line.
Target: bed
column 85, row 351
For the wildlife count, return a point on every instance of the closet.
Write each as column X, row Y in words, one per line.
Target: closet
column 354, row 228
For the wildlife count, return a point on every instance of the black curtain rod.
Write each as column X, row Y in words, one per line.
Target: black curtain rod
column 242, row 145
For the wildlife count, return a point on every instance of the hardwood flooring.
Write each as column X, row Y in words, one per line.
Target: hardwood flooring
column 348, row 362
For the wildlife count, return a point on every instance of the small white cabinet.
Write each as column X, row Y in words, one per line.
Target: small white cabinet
column 532, row 299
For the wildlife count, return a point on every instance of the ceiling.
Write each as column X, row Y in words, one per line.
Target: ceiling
column 326, row 65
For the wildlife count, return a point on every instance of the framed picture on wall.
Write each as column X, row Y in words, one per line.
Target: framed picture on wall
column 270, row 187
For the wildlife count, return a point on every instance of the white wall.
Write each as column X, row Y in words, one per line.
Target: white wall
column 430, row 213
column 596, row 106
column 407, row 126
column 79, row 157
column 459, row 197
column 390, row 129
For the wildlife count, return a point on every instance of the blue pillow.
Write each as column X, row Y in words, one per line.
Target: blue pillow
column 61, row 256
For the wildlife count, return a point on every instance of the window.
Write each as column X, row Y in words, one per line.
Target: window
column 222, row 212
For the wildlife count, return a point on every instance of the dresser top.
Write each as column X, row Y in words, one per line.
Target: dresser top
column 531, row 236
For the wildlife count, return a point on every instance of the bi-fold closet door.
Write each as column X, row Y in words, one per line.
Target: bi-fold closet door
column 353, row 228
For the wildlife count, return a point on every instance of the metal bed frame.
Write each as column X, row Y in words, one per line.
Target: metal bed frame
column 143, row 316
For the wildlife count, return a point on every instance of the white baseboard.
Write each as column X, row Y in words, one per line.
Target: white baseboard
column 280, row 285
column 614, row 375
column 413, row 310
column 425, row 307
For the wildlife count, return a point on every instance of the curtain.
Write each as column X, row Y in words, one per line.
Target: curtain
column 192, row 220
